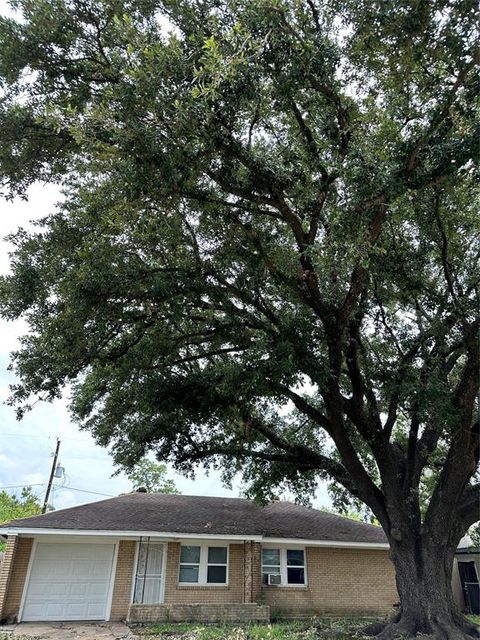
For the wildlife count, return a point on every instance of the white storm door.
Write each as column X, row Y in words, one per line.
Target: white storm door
column 149, row 573
column 69, row 581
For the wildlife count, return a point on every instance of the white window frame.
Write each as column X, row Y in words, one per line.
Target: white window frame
column 203, row 565
column 284, row 567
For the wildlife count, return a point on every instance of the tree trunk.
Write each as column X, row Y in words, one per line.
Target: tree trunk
column 423, row 575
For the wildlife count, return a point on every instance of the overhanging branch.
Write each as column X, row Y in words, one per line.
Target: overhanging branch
column 469, row 509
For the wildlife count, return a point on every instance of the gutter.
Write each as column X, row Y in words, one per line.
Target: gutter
column 113, row 533
column 340, row 544
column 161, row 535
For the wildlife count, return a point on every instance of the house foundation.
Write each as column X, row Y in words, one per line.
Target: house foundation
column 235, row 612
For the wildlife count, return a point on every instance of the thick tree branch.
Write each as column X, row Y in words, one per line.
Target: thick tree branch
column 360, row 272
column 309, row 140
column 460, row 463
column 333, row 467
column 304, row 460
column 469, row 506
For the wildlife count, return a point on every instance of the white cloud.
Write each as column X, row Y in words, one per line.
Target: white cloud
column 6, row 462
column 33, row 479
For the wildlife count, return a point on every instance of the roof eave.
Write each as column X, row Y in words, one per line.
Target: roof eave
column 341, row 544
column 176, row 535
column 124, row 534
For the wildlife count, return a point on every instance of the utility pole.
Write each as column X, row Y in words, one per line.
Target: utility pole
column 50, row 481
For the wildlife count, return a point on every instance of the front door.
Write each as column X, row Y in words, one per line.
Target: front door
column 469, row 579
column 149, row 579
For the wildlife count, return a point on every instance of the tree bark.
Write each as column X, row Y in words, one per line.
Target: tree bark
column 423, row 574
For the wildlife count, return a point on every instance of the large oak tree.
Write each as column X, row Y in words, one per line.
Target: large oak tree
column 267, row 254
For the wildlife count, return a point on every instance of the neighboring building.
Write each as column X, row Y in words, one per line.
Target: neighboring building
column 466, row 571
column 151, row 557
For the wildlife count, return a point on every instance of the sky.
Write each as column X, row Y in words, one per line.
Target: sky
column 26, row 447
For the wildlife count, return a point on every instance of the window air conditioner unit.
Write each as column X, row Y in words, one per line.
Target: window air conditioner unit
column 274, row 578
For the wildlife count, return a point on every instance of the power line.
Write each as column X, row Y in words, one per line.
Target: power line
column 57, row 488
column 23, row 435
column 21, row 486
column 107, row 495
column 34, row 435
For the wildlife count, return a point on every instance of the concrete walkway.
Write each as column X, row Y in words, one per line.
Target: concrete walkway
column 67, row 631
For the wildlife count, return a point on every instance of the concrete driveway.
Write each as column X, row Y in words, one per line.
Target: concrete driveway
column 67, row 631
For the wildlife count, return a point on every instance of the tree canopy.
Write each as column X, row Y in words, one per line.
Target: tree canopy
column 23, row 506
column 152, row 477
column 267, row 254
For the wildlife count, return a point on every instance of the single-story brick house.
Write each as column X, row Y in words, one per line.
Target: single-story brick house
column 150, row 557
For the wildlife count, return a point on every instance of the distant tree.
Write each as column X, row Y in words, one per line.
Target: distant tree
column 352, row 514
column 346, row 505
column 152, row 476
column 12, row 507
column 474, row 534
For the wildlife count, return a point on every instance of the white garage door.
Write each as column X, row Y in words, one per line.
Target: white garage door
column 69, row 581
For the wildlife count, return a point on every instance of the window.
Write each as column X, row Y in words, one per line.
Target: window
column 287, row 564
column 270, row 564
column 148, row 573
column 189, row 564
column 200, row 564
column 217, row 565
column 295, row 566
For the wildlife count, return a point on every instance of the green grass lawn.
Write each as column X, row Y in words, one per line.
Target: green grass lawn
column 315, row 629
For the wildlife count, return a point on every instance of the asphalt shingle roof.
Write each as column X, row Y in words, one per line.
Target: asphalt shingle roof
column 156, row 512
